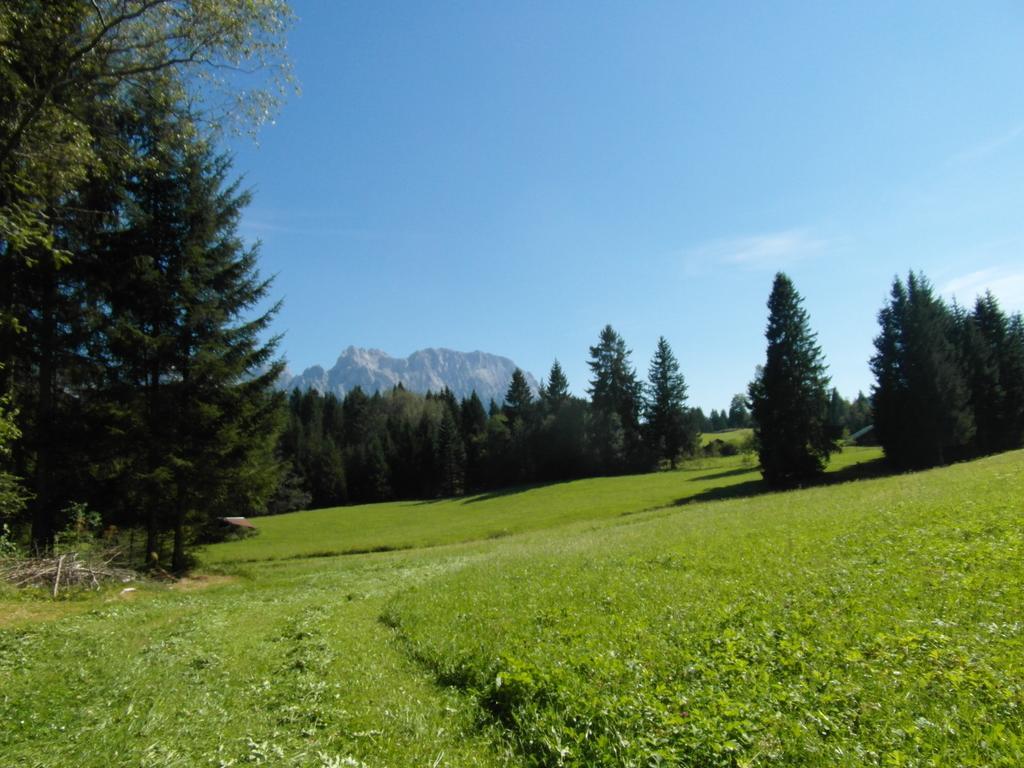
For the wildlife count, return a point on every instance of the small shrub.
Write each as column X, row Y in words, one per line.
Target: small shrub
column 81, row 532
column 719, row 447
column 8, row 546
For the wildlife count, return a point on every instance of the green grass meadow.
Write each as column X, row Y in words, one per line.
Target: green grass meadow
column 418, row 524
column 682, row 618
column 737, row 437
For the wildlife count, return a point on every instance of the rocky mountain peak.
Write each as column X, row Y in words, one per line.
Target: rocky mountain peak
column 430, row 369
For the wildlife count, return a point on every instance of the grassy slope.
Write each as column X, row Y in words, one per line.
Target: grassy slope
column 734, row 436
column 408, row 524
column 779, row 623
column 877, row 623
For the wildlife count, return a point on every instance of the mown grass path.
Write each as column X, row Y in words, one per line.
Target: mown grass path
column 292, row 668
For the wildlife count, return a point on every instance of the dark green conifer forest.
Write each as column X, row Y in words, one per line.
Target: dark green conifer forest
column 948, row 381
column 133, row 348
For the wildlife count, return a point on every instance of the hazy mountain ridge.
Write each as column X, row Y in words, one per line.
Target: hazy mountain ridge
column 427, row 369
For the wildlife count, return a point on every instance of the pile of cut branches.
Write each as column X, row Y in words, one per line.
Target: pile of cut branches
column 63, row 571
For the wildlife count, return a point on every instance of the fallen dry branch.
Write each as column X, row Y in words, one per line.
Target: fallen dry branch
column 63, row 571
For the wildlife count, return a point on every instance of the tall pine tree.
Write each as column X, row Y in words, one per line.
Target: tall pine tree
column 198, row 407
column 668, row 430
column 920, row 398
column 789, row 397
column 739, row 414
column 555, row 392
column 987, row 353
column 473, row 427
column 518, row 399
column 451, row 456
column 615, row 404
column 1013, row 368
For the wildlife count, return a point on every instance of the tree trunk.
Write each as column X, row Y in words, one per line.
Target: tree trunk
column 179, row 561
column 154, row 431
column 152, row 535
column 44, row 516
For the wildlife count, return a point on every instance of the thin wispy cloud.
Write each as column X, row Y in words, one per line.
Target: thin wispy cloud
column 259, row 223
column 1006, row 284
column 770, row 250
column 989, row 146
column 259, row 226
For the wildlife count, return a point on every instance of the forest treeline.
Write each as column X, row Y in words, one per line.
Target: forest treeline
column 401, row 445
column 949, row 380
column 949, row 383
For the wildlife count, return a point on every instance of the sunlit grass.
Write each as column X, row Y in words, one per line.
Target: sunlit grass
column 737, row 437
column 288, row 667
column 872, row 623
column 877, row 622
column 411, row 524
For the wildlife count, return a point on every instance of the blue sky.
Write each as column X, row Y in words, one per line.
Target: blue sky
column 511, row 177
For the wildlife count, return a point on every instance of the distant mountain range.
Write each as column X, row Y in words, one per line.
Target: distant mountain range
column 428, row 369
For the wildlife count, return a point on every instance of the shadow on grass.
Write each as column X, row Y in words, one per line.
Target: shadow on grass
column 725, row 473
column 475, row 498
column 861, row 471
column 315, row 554
column 511, row 491
column 749, row 488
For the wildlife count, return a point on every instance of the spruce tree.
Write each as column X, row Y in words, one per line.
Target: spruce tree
column 838, row 411
column 326, row 473
column 700, row 421
column 789, row 397
column 447, row 397
column 518, row 399
column 1013, row 368
column 200, row 411
column 668, row 430
column 920, row 398
column 46, row 371
column 451, row 456
column 555, row 392
column 859, row 414
column 472, row 416
column 986, row 352
column 521, row 416
column 718, row 420
column 427, row 466
column 378, row 471
column 615, row 396
column 356, row 416
column 473, row 426
column 739, row 414
column 227, row 405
